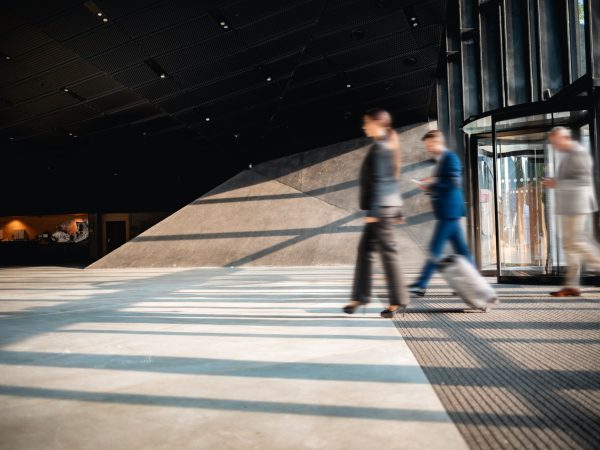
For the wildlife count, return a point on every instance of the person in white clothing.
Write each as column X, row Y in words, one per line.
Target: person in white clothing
column 575, row 203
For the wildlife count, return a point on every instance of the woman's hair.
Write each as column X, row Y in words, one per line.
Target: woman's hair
column 384, row 119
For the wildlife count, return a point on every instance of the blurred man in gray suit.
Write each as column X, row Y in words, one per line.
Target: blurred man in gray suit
column 575, row 203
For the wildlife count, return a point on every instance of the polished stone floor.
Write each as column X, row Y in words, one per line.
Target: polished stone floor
column 206, row 359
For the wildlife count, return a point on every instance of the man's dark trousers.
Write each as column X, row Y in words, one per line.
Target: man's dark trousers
column 445, row 230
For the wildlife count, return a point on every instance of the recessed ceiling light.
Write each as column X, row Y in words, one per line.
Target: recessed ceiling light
column 269, row 78
column 410, row 61
column 7, row 58
column 357, row 33
column 70, row 134
column 95, row 10
column 344, row 80
column 74, row 135
column 73, row 94
column 411, row 16
column 219, row 18
column 11, row 138
column 156, row 68
column 207, row 119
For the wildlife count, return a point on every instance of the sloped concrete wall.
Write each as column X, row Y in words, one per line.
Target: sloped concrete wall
column 300, row 210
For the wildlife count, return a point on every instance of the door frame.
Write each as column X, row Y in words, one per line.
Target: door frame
column 475, row 215
column 114, row 217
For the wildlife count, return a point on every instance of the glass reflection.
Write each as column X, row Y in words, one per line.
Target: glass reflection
column 487, row 225
column 525, row 238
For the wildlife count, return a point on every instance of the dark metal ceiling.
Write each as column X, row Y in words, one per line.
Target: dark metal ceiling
column 286, row 75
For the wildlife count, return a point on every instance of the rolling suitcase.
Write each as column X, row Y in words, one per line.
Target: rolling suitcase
column 467, row 282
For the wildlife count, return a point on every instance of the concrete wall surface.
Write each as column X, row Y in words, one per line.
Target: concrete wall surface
column 299, row 210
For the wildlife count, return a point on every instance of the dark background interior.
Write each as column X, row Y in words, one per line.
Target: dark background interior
column 274, row 76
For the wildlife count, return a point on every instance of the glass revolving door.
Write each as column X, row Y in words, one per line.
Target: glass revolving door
column 517, row 234
column 527, row 243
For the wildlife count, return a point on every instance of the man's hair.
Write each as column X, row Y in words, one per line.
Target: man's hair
column 560, row 131
column 433, row 134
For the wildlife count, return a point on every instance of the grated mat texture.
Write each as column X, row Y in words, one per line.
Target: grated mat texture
column 525, row 375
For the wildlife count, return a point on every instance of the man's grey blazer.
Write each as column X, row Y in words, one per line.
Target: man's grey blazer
column 575, row 183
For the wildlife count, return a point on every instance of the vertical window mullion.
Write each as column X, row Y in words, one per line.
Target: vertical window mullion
column 502, row 52
column 469, row 52
column 534, row 48
column 517, row 54
column 491, row 55
column 554, row 63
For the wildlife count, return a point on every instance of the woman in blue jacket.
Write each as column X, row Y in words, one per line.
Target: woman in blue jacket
column 380, row 197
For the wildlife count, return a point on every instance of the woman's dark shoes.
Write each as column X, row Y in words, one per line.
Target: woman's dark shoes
column 417, row 290
column 390, row 311
column 351, row 307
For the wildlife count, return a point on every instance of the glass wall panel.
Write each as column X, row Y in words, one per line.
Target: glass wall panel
column 490, row 56
column 454, row 73
column 479, row 126
column 442, row 105
column 468, row 16
column 534, row 65
column 577, row 36
column 583, row 135
column 516, row 52
column 470, row 68
column 553, row 45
